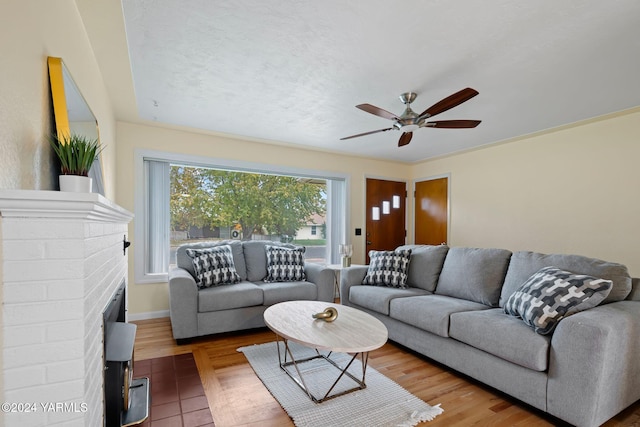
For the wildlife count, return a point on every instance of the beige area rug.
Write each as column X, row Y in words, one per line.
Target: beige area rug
column 381, row 403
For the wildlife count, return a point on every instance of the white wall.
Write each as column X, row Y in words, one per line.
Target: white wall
column 575, row 190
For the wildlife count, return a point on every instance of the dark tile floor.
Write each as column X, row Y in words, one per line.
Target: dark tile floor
column 177, row 396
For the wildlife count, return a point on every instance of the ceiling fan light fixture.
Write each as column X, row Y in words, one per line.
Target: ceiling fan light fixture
column 409, row 128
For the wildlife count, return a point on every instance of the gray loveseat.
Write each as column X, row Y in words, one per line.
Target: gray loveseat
column 223, row 308
column 584, row 372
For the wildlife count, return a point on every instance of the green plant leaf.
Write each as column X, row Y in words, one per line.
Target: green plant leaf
column 76, row 153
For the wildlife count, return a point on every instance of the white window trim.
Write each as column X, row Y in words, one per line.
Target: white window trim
column 218, row 163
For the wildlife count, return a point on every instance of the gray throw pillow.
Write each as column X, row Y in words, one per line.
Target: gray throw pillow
column 388, row 268
column 285, row 264
column 551, row 294
column 213, row 266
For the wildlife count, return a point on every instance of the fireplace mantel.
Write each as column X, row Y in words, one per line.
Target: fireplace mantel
column 61, row 260
column 58, row 204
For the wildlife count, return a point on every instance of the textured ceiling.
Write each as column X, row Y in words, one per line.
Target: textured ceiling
column 293, row 71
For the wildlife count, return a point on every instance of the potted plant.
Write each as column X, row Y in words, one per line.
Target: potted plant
column 76, row 154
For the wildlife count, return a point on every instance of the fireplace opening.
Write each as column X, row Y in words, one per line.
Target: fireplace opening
column 126, row 401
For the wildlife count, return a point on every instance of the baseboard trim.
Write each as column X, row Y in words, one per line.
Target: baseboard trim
column 148, row 315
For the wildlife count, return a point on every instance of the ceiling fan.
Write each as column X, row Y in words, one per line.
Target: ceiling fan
column 409, row 121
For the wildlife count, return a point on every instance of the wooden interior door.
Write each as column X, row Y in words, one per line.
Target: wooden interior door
column 386, row 211
column 431, row 211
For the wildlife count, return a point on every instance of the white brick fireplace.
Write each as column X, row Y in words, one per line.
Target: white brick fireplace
column 61, row 260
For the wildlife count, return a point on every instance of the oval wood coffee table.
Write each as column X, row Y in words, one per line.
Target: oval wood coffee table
column 354, row 332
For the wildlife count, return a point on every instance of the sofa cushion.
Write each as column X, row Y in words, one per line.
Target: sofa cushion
column 284, row 264
column 377, row 298
column 213, row 266
column 430, row 312
column 474, row 274
column 523, row 264
column 226, row 297
column 634, row 295
column 552, row 294
column 425, row 265
column 255, row 257
column 502, row 335
column 388, row 268
column 288, row 291
column 186, row 262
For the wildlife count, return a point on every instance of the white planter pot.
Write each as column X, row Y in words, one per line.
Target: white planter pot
column 75, row 183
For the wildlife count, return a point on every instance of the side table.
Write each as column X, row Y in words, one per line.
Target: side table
column 337, row 268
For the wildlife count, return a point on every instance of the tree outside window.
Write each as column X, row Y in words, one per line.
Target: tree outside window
column 209, row 203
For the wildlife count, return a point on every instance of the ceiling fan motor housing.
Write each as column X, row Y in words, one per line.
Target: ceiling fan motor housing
column 409, row 120
column 408, row 97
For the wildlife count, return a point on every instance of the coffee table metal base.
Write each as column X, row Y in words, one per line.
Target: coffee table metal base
column 284, row 362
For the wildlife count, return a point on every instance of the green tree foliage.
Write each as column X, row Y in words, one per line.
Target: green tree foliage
column 190, row 198
column 257, row 202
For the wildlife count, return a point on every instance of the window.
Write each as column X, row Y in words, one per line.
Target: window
column 182, row 199
column 208, row 204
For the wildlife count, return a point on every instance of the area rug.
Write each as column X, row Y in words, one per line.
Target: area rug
column 177, row 395
column 381, row 403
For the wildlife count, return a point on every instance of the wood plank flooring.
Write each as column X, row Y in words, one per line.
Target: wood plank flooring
column 238, row 398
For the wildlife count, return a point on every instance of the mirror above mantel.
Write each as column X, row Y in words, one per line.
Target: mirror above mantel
column 72, row 113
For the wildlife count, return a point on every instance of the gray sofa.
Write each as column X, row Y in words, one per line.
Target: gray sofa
column 196, row 312
column 584, row 373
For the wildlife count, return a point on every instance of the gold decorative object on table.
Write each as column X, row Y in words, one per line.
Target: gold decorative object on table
column 328, row 315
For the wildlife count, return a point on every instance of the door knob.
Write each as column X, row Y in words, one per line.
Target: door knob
column 368, row 242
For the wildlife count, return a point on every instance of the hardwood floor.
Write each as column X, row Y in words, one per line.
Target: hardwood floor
column 237, row 397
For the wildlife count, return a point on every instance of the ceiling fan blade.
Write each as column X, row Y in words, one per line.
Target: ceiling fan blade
column 450, row 102
column 405, row 138
column 453, row 124
column 366, row 133
column 377, row 111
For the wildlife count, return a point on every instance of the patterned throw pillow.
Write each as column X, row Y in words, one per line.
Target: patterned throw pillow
column 214, row 266
column 388, row 268
column 552, row 294
column 285, row 264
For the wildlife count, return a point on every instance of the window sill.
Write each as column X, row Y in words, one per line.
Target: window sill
column 152, row 278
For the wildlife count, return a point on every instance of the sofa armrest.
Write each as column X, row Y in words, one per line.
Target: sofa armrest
column 183, row 303
column 349, row 277
column 594, row 369
column 324, row 279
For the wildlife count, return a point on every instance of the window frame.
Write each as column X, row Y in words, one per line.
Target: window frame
column 140, row 199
